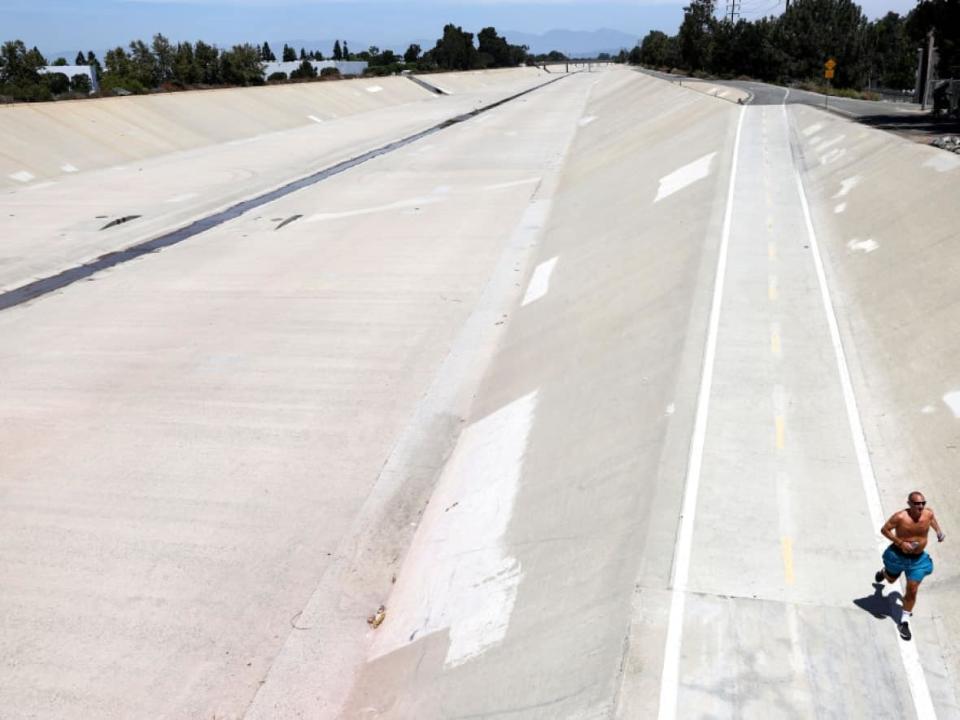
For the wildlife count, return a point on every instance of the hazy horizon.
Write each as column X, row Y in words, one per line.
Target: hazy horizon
column 59, row 26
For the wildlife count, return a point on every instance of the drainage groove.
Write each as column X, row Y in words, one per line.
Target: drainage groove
column 24, row 293
column 119, row 221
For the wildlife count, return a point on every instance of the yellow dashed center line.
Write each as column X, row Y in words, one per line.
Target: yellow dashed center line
column 775, row 342
column 772, row 288
column 771, row 251
column 786, row 549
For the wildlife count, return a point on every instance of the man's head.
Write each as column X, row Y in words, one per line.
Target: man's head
column 916, row 502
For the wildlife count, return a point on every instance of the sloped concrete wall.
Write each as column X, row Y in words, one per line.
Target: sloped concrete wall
column 887, row 213
column 44, row 141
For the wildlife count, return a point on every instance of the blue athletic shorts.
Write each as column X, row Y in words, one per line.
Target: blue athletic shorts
column 916, row 567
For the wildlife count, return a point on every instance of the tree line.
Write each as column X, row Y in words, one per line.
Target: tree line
column 795, row 45
column 142, row 67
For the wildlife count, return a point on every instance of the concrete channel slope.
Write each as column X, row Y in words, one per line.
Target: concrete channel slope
column 602, row 393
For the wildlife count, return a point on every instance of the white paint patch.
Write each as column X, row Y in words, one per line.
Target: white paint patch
column 459, row 576
column 832, row 156
column 22, row 176
column 685, row 176
column 587, row 120
column 539, row 282
column 846, row 185
column 671, row 409
column 513, row 183
column 181, row 198
column 68, row 168
column 374, row 89
column 943, row 162
column 399, row 205
column 840, row 208
column 812, row 129
column 314, row 118
column 864, row 246
column 831, row 142
column 952, row 399
column 40, row 186
column 928, row 409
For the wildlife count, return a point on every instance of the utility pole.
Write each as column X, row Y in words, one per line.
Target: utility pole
column 733, row 10
column 928, row 75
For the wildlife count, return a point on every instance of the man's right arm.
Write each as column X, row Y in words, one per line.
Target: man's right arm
column 889, row 528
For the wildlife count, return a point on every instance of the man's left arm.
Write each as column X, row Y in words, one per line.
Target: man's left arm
column 936, row 527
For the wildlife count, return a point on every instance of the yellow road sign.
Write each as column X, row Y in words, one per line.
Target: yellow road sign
column 830, row 64
column 828, row 73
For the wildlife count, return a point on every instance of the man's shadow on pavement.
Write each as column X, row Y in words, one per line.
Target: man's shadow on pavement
column 882, row 606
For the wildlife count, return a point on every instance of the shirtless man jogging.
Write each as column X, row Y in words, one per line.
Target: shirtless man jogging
column 907, row 531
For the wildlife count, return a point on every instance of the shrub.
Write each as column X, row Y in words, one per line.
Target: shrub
column 277, row 77
column 80, row 84
column 58, row 83
column 330, row 73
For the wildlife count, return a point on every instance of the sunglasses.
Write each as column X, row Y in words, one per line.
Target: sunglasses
column 921, row 503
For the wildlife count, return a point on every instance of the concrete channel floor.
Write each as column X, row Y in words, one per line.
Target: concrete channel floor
column 515, row 312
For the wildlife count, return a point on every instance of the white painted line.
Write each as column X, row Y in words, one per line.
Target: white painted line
column 540, row 282
column 399, row 205
column 922, row 703
column 682, row 177
column 929, row 409
column 669, row 680
column 864, row 246
column 952, row 399
column 181, row 198
column 846, row 185
column 513, row 183
column 374, row 89
column 587, row 120
column 812, row 129
column 832, row 156
column 841, row 207
column 68, row 168
column 831, row 142
column 459, row 577
column 22, row 176
column 314, row 118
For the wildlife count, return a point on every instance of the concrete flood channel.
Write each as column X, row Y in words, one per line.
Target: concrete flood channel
column 588, row 332
column 42, row 286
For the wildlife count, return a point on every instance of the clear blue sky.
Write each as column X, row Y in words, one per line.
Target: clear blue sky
column 68, row 25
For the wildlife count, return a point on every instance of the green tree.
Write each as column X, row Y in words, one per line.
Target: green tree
column 337, row 51
column 163, row 53
column 412, row 54
column 80, row 84
column 185, row 68
column 241, row 66
column 893, row 58
column 207, row 60
column 95, row 64
column 455, row 50
column 943, row 17
column 656, row 49
column 266, row 54
column 289, row 54
column 60, row 62
column 305, row 71
column 811, row 31
column 695, row 36
column 81, row 60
